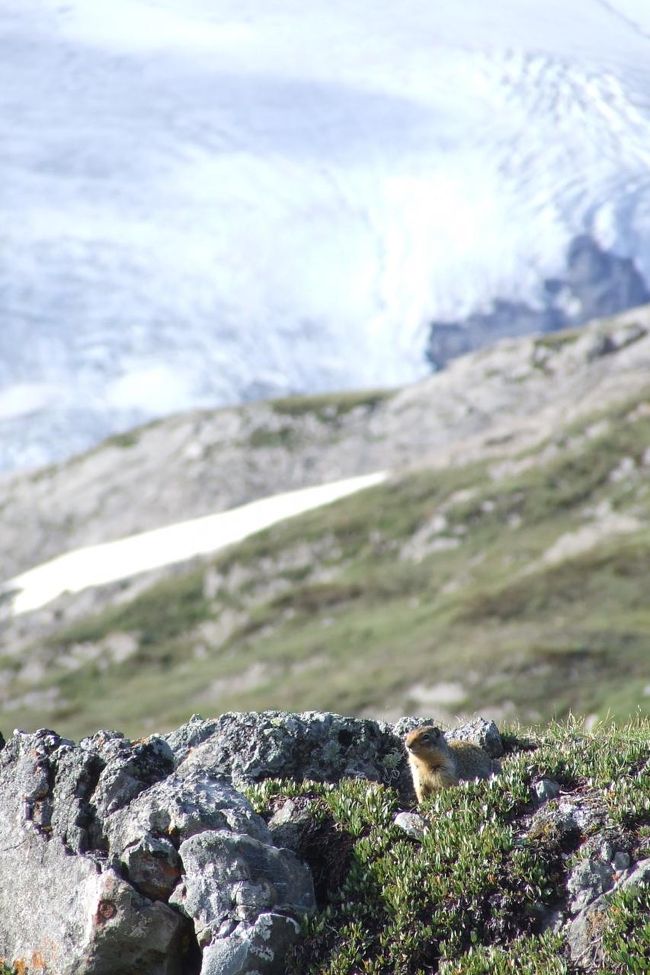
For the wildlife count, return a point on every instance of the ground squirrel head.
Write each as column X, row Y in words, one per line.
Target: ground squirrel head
column 426, row 741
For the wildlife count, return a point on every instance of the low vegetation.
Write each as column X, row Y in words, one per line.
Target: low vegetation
column 479, row 894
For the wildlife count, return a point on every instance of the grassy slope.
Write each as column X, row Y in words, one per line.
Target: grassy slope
column 324, row 611
column 471, row 898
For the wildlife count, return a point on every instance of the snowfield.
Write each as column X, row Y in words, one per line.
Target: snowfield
column 97, row 565
column 207, row 201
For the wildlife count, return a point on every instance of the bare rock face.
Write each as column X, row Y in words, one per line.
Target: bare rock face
column 596, row 283
column 66, row 913
column 112, row 861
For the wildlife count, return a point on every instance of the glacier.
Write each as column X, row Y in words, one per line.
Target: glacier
column 207, row 201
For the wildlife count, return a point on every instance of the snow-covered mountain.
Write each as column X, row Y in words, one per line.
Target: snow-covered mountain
column 203, row 201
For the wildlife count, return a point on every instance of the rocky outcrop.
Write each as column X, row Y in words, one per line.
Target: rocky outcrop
column 126, row 856
column 144, row 858
column 596, row 283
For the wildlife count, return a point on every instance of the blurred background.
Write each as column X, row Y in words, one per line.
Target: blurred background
column 248, row 249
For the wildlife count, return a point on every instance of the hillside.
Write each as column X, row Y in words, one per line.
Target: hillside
column 503, row 566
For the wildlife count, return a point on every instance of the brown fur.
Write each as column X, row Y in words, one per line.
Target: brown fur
column 436, row 763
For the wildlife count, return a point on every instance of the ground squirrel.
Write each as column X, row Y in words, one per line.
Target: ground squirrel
column 437, row 763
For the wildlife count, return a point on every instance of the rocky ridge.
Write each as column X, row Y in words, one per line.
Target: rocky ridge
column 595, row 284
column 163, row 866
column 151, row 856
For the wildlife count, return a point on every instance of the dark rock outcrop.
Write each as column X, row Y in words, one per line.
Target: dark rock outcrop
column 595, row 284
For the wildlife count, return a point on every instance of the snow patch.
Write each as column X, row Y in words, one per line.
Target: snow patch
column 97, row 565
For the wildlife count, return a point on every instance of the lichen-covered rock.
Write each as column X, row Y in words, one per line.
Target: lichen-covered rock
column 254, row 878
column 153, row 866
column 554, row 825
column 259, row 948
column 71, row 913
column 323, row 747
column 180, row 806
column 127, row 933
column 546, row 789
column 587, row 881
column 412, row 824
column 128, row 768
column 113, row 829
column 583, row 934
column 76, row 773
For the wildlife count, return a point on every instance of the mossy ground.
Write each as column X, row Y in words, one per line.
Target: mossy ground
column 339, row 610
column 473, row 897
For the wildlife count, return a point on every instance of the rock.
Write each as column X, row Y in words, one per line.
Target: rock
column 128, row 769
column 412, row 824
column 621, row 861
column 554, row 826
column 194, row 732
column 75, row 779
column 479, row 732
column 181, row 806
column 596, row 284
column 583, row 934
column 546, row 789
column 153, row 866
column 258, row 948
column 640, row 876
column 288, row 823
column 235, row 918
column 587, row 881
column 133, row 846
column 129, row 933
column 252, row 746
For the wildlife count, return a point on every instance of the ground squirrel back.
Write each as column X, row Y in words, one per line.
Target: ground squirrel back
column 436, row 763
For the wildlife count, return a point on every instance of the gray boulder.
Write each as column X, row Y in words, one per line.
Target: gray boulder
column 255, row 878
column 249, row 747
column 111, row 860
column 587, row 881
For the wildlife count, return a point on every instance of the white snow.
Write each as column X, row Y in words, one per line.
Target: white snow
column 262, row 197
column 97, row 565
